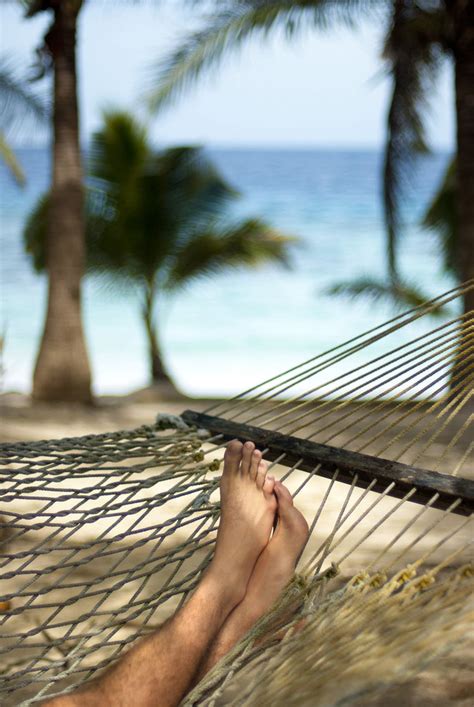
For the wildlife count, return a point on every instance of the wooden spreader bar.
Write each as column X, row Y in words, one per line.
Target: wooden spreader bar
column 348, row 464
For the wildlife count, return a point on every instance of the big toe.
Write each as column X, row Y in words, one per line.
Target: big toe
column 285, row 499
column 232, row 457
column 289, row 516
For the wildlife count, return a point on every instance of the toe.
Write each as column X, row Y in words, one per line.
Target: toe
column 261, row 474
column 291, row 518
column 268, row 485
column 246, row 458
column 285, row 503
column 232, row 457
column 284, row 496
column 255, row 462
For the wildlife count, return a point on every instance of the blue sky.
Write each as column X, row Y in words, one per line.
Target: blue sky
column 319, row 90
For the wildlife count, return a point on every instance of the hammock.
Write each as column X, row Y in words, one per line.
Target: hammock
column 104, row 536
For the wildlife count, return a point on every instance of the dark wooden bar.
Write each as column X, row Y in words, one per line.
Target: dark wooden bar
column 348, row 463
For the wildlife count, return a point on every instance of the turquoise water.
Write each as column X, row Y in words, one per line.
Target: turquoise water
column 222, row 334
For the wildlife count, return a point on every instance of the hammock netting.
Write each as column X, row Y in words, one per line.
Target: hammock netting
column 103, row 537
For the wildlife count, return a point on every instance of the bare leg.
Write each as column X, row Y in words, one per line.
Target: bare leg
column 159, row 670
column 274, row 569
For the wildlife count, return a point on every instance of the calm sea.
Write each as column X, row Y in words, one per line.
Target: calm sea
column 226, row 332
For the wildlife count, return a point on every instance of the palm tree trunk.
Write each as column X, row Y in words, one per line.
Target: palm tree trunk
column 464, row 83
column 157, row 368
column 62, row 370
column 462, row 13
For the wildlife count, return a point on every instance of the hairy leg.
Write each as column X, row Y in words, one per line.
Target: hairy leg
column 273, row 570
column 159, row 670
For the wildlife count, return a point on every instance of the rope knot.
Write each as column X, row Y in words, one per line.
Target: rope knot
column 164, row 421
column 424, row 582
column 405, row 575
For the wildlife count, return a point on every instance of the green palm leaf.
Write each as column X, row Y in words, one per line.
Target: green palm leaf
column 400, row 294
column 19, row 101
column 10, row 159
column 230, row 28
column 248, row 243
column 19, row 106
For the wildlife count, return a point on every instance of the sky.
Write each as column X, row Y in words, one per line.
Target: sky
column 317, row 91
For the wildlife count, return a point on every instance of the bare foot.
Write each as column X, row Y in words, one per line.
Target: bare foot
column 248, row 507
column 276, row 565
column 274, row 569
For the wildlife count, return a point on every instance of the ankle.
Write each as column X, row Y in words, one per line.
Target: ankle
column 222, row 589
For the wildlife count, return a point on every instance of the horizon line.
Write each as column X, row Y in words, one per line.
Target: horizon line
column 445, row 149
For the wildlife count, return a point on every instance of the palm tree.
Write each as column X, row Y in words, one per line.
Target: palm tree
column 62, row 371
column 157, row 220
column 19, row 105
column 418, row 35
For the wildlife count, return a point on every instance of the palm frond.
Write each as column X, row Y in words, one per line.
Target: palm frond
column 105, row 252
column 195, row 190
column 413, row 50
column 19, row 101
column 10, row 159
column 399, row 294
column 232, row 26
column 145, row 204
column 441, row 218
column 119, row 150
column 34, row 233
column 18, row 105
column 249, row 243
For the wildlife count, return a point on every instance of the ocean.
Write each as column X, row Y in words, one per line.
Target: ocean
column 225, row 333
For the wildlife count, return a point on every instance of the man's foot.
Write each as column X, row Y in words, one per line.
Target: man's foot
column 276, row 565
column 274, row 569
column 248, row 507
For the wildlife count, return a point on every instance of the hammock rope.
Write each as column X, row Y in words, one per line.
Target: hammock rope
column 102, row 537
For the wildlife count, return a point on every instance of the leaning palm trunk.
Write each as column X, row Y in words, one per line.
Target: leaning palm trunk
column 464, row 79
column 159, row 374
column 463, row 15
column 62, row 370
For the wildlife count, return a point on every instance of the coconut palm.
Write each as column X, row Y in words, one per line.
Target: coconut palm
column 20, row 105
column 418, row 35
column 62, row 370
column 157, row 220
